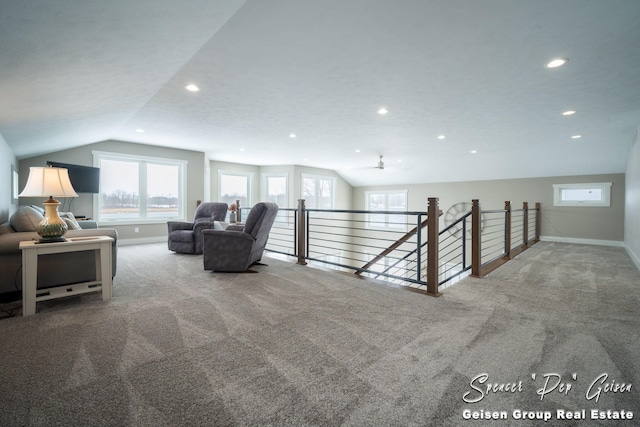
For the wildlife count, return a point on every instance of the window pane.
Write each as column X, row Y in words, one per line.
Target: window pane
column 386, row 201
column 376, row 202
column 309, row 192
column 162, row 190
column 576, row 195
column 277, row 190
column 234, row 187
column 119, row 190
column 324, row 191
column 397, row 202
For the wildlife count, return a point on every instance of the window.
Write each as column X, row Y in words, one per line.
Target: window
column 317, row 191
column 588, row 194
column 234, row 186
column 275, row 188
column 389, row 201
column 140, row 189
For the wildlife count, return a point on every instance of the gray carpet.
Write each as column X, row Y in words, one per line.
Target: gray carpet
column 294, row 345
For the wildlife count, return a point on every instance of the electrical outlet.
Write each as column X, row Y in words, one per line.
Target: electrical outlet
column 136, row 230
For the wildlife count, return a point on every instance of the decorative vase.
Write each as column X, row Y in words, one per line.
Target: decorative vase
column 52, row 228
column 232, row 217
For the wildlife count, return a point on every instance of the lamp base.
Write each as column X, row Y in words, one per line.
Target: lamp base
column 52, row 228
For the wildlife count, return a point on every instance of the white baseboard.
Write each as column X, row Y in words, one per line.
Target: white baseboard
column 633, row 257
column 616, row 243
column 141, row 241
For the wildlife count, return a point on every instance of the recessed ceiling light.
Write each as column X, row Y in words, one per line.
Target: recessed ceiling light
column 473, row 151
column 242, row 149
column 292, row 135
column 568, row 112
column 192, row 88
column 576, row 136
column 399, row 160
column 557, row 63
column 357, row 151
column 140, row 130
column 383, row 111
column 441, row 136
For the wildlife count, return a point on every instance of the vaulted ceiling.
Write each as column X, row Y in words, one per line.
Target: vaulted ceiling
column 471, row 71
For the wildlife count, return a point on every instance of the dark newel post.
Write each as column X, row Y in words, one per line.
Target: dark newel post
column 302, row 233
column 525, row 223
column 507, row 229
column 538, row 221
column 238, row 214
column 475, row 238
column 433, row 222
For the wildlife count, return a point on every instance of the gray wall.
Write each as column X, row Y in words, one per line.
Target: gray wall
column 594, row 223
column 607, row 224
column 632, row 208
column 7, row 163
column 83, row 205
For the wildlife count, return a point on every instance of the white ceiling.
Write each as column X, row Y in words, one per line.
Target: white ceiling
column 74, row 73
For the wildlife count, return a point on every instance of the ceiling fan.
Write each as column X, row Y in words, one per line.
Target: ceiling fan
column 381, row 166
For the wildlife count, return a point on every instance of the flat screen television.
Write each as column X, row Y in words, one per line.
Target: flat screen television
column 85, row 179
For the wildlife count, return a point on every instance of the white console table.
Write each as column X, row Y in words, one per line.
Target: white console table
column 101, row 245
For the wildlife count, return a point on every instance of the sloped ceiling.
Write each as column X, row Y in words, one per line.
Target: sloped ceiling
column 74, row 73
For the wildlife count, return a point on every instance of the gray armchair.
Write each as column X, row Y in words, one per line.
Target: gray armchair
column 238, row 247
column 186, row 237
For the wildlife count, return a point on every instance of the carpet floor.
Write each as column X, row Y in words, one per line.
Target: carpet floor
column 553, row 332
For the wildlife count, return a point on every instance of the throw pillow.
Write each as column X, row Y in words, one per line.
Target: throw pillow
column 38, row 208
column 25, row 219
column 70, row 219
column 71, row 224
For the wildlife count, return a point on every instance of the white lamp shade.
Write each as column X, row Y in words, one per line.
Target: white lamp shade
column 48, row 181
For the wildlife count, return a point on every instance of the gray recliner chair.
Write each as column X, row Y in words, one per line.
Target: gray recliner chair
column 186, row 237
column 237, row 247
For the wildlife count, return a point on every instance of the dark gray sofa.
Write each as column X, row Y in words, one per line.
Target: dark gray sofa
column 54, row 269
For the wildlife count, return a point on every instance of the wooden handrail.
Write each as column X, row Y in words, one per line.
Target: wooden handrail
column 476, row 231
column 433, row 247
column 393, row 246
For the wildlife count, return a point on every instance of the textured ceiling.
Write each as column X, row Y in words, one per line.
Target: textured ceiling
column 74, row 73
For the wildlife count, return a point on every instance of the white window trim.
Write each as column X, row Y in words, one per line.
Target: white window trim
column 304, row 176
column 368, row 223
column 182, row 185
column 604, row 202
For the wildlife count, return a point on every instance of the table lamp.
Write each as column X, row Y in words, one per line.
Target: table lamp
column 49, row 182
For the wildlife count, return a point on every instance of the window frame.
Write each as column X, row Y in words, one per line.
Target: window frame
column 248, row 175
column 265, row 185
column 604, row 187
column 182, row 165
column 331, row 179
column 387, row 224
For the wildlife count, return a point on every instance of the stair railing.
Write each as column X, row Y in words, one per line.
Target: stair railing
column 422, row 258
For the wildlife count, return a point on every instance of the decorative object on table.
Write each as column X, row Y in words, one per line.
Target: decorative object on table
column 233, row 212
column 49, row 182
